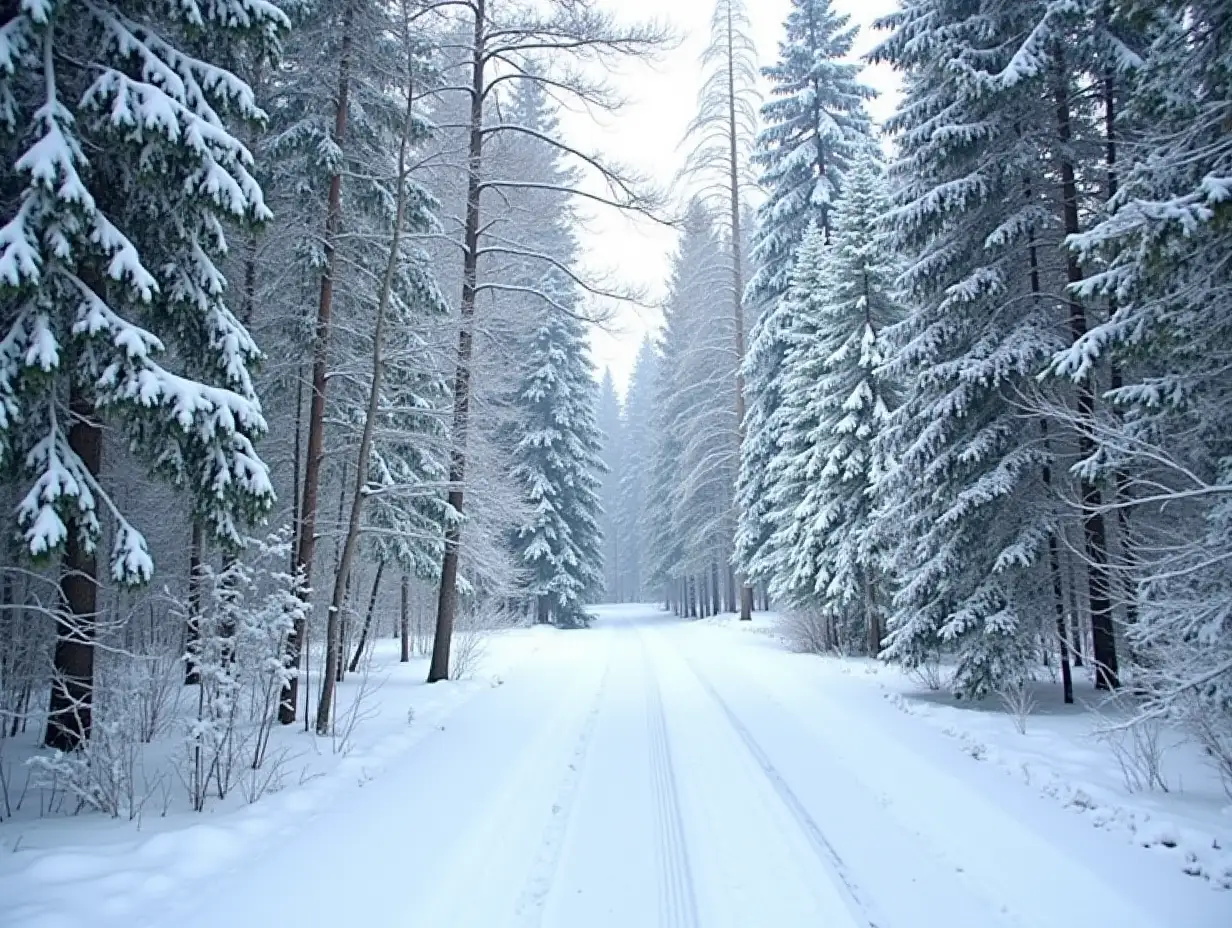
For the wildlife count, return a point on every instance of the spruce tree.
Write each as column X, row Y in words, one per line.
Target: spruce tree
column 964, row 510
column 815, row 127
column 690, row 499
column 1161, row 256
column 613, row 438
column 557, row 462
column 117, row 124
column 638, row 443
column 838, row 404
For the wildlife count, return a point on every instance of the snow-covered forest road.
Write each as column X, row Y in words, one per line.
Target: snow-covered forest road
column 655, row 772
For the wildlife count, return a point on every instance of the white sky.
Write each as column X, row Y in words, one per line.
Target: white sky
column 645, row 136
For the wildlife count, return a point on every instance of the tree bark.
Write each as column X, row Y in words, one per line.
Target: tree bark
column 350, row 545
column 737, row 246
column 295, row 460
column 872, row 620
column 306, row 540
column 196, row 549
column 404, row 618
column 1127, row 568
column 1095, row 536
column 367, row 628
column 447, row 600
column 70, row 712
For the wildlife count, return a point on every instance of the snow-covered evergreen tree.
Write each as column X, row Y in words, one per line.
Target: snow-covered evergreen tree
column 964, row 508
column 815, row 128
column 837, row 403
column 638, row 443
column 689, row 502
column 1162, row 254
column 558, row 464
column 557, row 445
column 612, row 429
column 117, row 124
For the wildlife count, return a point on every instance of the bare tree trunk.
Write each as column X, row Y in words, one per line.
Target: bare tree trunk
column 872, row 619
column 737, row 246
column 342, row 615
column 196, row 548
column 333, row 653
column 1058, row 594
column 1128, row 566
column 70, row 712
column 1077, row 635
column 305, row 547
column 367, row 629
column 295, row 459
column 1095, row 537
column 404, row 618
column 447, row 601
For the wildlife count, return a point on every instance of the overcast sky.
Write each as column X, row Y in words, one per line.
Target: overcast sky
column 646, row 134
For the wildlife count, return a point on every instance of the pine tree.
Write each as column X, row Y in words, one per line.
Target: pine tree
column 964, row 510
column 125, row 172
column 815, row 126
column 558, row 462
column 689, row 500
column 838, row 403
column 1161, row 255
column 612, row 430
column 638, row 443
column 722, row 135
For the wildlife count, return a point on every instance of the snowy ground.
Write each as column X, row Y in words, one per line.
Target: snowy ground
column 645, row 772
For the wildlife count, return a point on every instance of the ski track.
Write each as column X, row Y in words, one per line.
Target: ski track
column 826, row 854
column 490, row 881
column 677, row 895
column 540, row 881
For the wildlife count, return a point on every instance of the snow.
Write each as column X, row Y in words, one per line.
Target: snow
column 645, row 771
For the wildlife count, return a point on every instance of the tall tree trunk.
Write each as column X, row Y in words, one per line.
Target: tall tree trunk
column 1120, row 481
column 367, row 629
column 737, row 246
column 341, row 614
column 872, row 620
column 70, row 712
column 1054, row 563
column 1077, row 633
column 404, row 618
column 333, row 653
column 295, row 461
column 1095, row 536
column 1058, row 593
column 447, row 600
column 196, row 551
column 305, row 543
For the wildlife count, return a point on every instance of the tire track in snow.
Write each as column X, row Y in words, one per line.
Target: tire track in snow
column 824, row 850
column 677, row 896
column 543, row 871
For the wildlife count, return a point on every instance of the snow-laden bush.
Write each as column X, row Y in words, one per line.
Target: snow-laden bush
column 105, row 774
column 248, row 609
column 806, row 631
